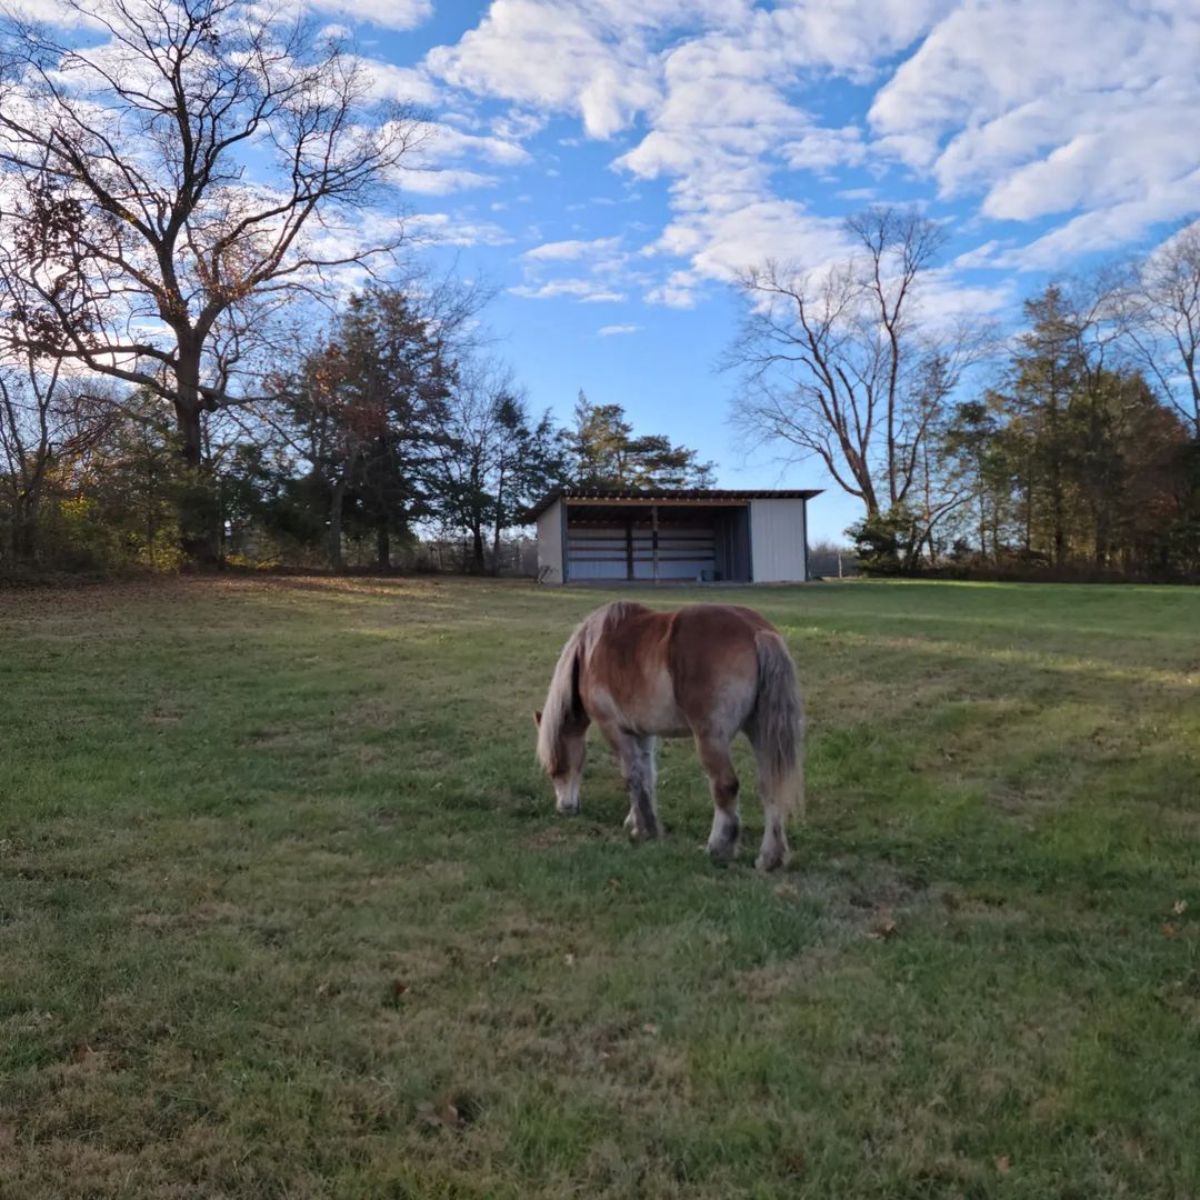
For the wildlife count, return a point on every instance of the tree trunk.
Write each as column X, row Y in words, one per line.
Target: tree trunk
column 27, row 505
column 1103, row 537
column 336, row 502
column 383, row 547
column 497, row 525
column 25, row 531
column 197, row 524
column 478, row 563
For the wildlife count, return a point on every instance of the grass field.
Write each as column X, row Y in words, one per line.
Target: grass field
column 285, row 910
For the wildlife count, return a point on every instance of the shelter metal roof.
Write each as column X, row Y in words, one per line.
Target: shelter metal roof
column 617, row 495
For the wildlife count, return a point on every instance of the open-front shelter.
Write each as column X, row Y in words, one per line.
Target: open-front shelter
column 700, row 535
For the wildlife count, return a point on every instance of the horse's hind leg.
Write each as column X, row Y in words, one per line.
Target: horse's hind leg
column 723, row 783
column 774, row 793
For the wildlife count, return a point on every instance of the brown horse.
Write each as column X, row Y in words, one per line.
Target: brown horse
column 708, row 671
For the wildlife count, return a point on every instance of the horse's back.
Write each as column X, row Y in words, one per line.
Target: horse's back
column 626, row 678
column 714, row 659
column 728, row 621
column 674, row 672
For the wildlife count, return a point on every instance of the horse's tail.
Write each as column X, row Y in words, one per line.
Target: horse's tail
column 779, row 724
column 562, row 702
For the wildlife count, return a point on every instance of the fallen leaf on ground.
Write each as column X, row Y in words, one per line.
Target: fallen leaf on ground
column 446, row 1115
column 885, row 925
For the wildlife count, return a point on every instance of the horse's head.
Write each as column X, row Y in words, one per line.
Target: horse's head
column 562, row 752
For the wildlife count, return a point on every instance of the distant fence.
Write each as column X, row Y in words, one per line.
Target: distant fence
column 829, row 561
column 453, row 556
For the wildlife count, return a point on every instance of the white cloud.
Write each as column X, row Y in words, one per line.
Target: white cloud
column 722, row 243
column 434, row 181
column 440, row 142
column 984, row 255
column 561, row 251
column 822, row 149
column 600, row 270
column 392, row 14
column 407, row 85
column 943, row 298
column 1105, row 228
column 445, row 159
column 681, row 289
column 617, row 330
column 517, row 125
column 1047, row 107
column 548, row 56
column 444, row 230
column 51, row 12
column 587, row 291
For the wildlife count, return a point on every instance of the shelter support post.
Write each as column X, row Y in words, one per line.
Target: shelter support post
column 654, row 538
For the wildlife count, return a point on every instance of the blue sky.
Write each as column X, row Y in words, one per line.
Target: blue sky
column 609, row 165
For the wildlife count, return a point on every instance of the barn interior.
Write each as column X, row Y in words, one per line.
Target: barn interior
column 696, row 542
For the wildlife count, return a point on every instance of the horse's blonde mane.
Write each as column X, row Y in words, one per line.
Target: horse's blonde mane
column 562, row 699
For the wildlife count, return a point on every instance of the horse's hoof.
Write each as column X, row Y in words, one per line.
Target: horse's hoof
column 721, row 853
column 771, row 861
column 644, row 835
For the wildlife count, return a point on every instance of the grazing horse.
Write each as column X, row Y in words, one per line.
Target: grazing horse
column 708, row 671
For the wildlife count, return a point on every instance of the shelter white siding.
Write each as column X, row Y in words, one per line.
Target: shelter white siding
column 550, row 544
column 777, row 541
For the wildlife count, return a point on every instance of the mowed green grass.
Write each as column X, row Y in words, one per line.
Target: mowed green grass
column 285, row 910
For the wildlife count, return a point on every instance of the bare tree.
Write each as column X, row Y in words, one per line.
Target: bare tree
column 1161, row 320
column 838, row 362
column 166, row 188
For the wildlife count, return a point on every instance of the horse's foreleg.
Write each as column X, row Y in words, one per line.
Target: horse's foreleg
column 636, row 755
column 637, row 762
column 723, row 783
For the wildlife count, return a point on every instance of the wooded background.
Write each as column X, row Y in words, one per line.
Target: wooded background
column 200, row 369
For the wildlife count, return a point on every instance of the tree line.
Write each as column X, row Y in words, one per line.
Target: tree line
column 377, row 437
column 1067, row 449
